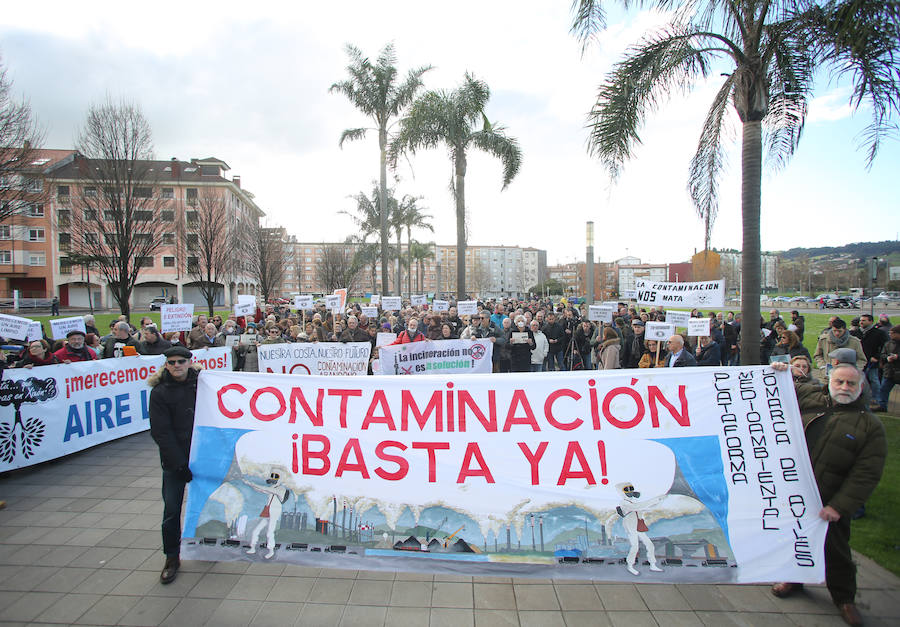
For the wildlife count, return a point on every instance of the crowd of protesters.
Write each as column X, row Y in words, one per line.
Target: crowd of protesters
column 527, row 336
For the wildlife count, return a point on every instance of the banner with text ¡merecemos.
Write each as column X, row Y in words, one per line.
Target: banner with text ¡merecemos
column 51, row 411
column 317, row 358
column 697, row 475
column 437, row 357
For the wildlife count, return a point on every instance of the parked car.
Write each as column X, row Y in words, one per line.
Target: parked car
column 841, row 303
column 887, row 296
column 157, row 303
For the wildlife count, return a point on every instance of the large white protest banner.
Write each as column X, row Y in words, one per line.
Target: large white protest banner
column 440, row 305
column 52, row 411
column 678, row 318
column 698, row 326
column 467, row 307
column 318, row 358
column 448, row 473
column 369, row 312
column 176, row 317
column 61, row 326
column 660, row 331
column 391, row 303
column 303, row 302
column 245, row 299
column 14, row 327
column 430, row 357
column 600, row 313
column 696, row 294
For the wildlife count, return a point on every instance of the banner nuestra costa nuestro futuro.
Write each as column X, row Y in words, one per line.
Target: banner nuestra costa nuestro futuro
column 698, row 474
column 51, row 411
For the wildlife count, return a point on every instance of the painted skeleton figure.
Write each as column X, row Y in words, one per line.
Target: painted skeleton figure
column 631, row 510
column 276, row 495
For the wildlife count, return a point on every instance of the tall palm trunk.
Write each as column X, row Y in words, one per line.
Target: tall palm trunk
column 460, row 193
column 409, row 259
column 399, row 265
column 382, row 210
column 751, row 181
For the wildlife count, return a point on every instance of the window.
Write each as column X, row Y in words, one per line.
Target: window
column 191, row 195
column 91, row 238
column 143, row 215
column 63, row 217
column 192, row 241
column 167, row 216
column 168, row 239
column 33, row 185
column 209, row 170
column 65, row 241
column 37, row 258
column 36, row 234
column 142, row 192
column 62, row 193
column 168, row 262
column 191, row 217
column 192, row 264
column 110, row 215
column 65, row 265
column 5, row 231
column 90, row 214
column 35, row 211
column 90, row 192
column 145, row 262
column 167, row 193
column 142, row 238
column 5, row 257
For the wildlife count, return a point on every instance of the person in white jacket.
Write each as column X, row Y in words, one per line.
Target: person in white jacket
column 541, row 347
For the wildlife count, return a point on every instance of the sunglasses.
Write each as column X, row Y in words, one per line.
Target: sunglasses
column 173, row 362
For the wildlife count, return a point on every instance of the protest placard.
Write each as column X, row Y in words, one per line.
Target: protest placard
column 602, row 463
column 417, row 300
column 342, row 294
column 61, row 326
column 318, row 358
column 660, row 331
column 467, row 307
column 391, row 303
column 52, row 411
column 244, row 299
column 696, row 294
column 433, row 357
column 176, row 317
column 600, row 313
column 35, row 332
column 333, row 303
column 629, row 294
column 375, row 299
column 440, row 305
column 698, row 326
column 678, row 318
column 370, row 312
column 14, row 327
column 303, row 302
column 384, row 338
column 245, row 309
column 248, row 339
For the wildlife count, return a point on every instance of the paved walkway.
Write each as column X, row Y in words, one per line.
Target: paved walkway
column 80, row 544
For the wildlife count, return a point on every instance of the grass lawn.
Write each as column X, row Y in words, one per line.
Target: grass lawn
column 102, row 320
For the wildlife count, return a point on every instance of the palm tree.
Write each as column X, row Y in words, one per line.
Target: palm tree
column 450, row 118
column 411, row 216
column 374, row 90
column 420, row 252
column 774, row 48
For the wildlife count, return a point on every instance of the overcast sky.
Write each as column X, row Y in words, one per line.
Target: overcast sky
column 218, row 79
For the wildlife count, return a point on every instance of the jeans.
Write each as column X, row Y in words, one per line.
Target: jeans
column 173, row 495
column 537, row 367
column 560, row 359
column 873, row 376
column 886, row 386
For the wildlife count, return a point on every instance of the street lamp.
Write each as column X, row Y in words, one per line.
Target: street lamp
column 873, row 276
column 589, row 264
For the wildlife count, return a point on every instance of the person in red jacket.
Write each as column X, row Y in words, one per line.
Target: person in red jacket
column 74, row 349
column 411, row 334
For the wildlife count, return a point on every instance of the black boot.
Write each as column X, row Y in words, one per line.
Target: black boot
column 170, row 570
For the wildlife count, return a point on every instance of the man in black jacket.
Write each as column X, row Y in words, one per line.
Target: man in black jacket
column 172, row 402
column 556, row 337
column 872, row 339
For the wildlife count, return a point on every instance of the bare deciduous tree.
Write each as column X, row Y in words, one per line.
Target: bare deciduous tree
column 19, row 135
column 267, row 258
column 209, row 246
column 116, row 217
column 338, row 268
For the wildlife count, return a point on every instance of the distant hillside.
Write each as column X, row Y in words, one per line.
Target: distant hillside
column 857, row 250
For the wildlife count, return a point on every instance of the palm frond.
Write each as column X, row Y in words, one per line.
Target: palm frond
column 662, row 63
column 589, row 18
column 497, row 143
column 709, row 160
column 351, row 134
column 790, row 77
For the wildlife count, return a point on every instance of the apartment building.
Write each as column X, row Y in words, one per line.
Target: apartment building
column 40, row 260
